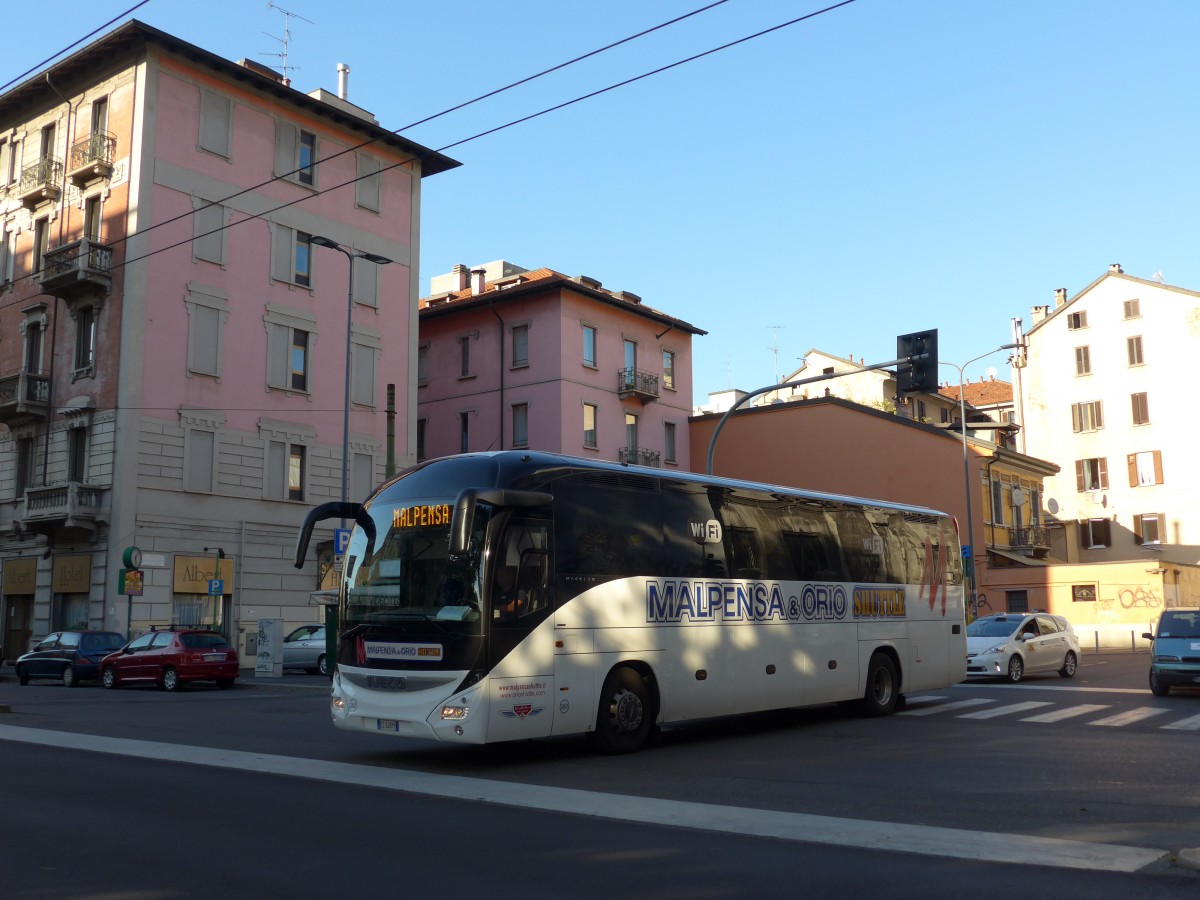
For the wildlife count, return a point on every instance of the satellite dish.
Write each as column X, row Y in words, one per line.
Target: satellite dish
column 1158, row 276
column 991, row 371
column 1098, row 497
column 1018, row 497
column 1052, row 506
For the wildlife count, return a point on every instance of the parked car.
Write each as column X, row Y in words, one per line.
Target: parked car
column 1175, row 651
column 304, row 649
column 1012, row 645
column 170, row 659
column 68, row 656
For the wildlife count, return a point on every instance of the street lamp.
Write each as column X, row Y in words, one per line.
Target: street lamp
column 962, row 427
column 351, row 256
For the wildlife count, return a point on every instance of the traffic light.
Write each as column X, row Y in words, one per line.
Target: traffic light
column 919, row 376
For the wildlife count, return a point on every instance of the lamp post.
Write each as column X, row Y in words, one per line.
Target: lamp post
column 351, row 256
column 962, row 427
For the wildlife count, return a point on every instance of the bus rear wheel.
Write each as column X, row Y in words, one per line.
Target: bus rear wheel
column 624, row 718
column 883, row 687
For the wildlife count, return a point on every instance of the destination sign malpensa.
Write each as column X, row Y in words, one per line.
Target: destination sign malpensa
column 423, row 516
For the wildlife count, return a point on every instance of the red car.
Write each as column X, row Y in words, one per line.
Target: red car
column 171, row 658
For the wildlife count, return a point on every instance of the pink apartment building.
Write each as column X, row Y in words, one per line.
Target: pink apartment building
column 173, row 344
column 513, row 358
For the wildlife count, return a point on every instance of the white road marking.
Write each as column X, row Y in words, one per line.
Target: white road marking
column 945, row 707
column 1189, row 724
column 955, row 843
column 1052, row 686
column 1130, row 716
column 1009, row 710
column 1069, row 712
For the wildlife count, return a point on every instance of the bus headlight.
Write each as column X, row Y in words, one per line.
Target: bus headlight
column 455, row 713
column 337, row 704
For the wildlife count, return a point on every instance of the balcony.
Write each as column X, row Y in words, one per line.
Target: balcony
column 23, row 393
column 639, row 456
column 40, row 182
column 69, row 509
column 92, row 158
column 1031, row 538
column 638, row 384
column 82, row 267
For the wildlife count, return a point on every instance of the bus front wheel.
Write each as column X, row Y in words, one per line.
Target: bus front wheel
column 624, row 718
column 883, row 687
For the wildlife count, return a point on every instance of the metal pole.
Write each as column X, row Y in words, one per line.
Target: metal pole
column 346, row 410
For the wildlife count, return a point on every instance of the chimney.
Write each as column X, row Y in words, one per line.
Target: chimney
column 1060, row 297
column 478, row 281
column 343, row 80
column 460, row 277
column 1038, row 313
column 1115, row 269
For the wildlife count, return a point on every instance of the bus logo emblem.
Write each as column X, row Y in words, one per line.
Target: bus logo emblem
column 705, row 531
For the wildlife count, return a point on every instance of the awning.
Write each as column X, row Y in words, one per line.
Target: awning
column 1023, row 560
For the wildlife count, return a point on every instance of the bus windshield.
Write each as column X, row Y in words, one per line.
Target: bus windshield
column 404, row 572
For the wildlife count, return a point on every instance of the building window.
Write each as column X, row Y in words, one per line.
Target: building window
column 25, row 463
column 631, row 435
column 367, row 186
column 215, row 123
column 1145, row 468
column 1134, row 346
column 1076, row 320
column 1091, row 474
column 920, row 411
column 366, row 282
column 997, row 502
column 463, row 431
column 589, row 346
column 589, row 425
column 295, row 473
column 77, row 455
column 200, row 460
column 1083, row 361
column 302, row 259
column 6, row 162
column 421, row 423
column 7, row 244
column 422, row 365
column 291, row 255
column 207, row 311
column 364, row 357
column 1087, row 416
column 1141, row 409
column 286, row 470
column 1016, row 601
column 520, row 345
column 291, row 336
column 630, row 362
column 208, row 231
column 464, row 356
column 669, row 442
column 1096, row 533
column 1148, row 529
column 85, row 340
column 41, row 243
column 307, row 159
column 362, row 474
column 93, row 217
column 1133, row 309
column 33, row 345
column 669, row 369
column 520, row 424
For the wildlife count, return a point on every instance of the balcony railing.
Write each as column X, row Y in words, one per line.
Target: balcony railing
column 22, row 393
column 40, row 181
column 92, row 157
column 82, row 266
column 636, row 383
column 69, row 504
column 640, row 456
column 1031, row 537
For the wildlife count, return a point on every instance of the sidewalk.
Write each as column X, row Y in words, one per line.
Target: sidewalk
column 246, row 678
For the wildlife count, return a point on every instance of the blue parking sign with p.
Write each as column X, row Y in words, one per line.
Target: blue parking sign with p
column 341, row 540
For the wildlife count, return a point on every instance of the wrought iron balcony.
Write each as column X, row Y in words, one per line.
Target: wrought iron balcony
column 640, row 456
column 40, row 181
column 636, row 383
column 80, row 267
column 1031, row 537
column 91, row 158
column 23, row 393
column 67, row 506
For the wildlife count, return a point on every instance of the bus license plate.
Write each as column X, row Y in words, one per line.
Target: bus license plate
column 387, row 725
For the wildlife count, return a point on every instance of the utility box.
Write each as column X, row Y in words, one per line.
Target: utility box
column 269, row 641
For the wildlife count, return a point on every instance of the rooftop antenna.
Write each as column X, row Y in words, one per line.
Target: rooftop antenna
column 774, row 348
column 728, row 367
column 288, row 15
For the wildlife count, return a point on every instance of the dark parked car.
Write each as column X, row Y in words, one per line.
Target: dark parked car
column 170, row 659
column 68, row 656
column 1175, row 653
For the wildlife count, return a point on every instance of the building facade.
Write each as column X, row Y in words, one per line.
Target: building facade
column 514, row 358
column 172, row 342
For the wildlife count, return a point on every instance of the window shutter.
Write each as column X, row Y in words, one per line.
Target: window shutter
column 287, row 138
column 276, row 469
column 209, row 239
column 214, row 122
column 1080, row 476
column 1138, row 538
column 366, row 188
column 1102, row 472
column 283, row 246
column 363, row 382
column 278, row 347
column 1131, row 459
column 201, row 447
column 203, row 337
column 1158, row 470
column 366, row 282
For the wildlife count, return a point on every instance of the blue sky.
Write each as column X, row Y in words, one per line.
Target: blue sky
column 887, row 167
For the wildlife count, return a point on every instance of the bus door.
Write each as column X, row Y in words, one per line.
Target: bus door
column 520, row 633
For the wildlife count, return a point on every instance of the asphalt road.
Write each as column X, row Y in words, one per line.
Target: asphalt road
column 251, row 792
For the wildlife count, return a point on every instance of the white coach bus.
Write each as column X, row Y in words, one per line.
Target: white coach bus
column 504, row 596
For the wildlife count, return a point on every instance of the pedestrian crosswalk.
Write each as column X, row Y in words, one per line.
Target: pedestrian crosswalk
column 977, row 708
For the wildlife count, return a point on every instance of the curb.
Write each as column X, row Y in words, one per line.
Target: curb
column 1189, row 859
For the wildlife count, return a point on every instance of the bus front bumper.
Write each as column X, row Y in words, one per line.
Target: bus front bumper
column 364, row 700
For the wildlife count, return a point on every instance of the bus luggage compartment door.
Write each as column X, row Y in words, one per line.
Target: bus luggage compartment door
column 574, row 677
